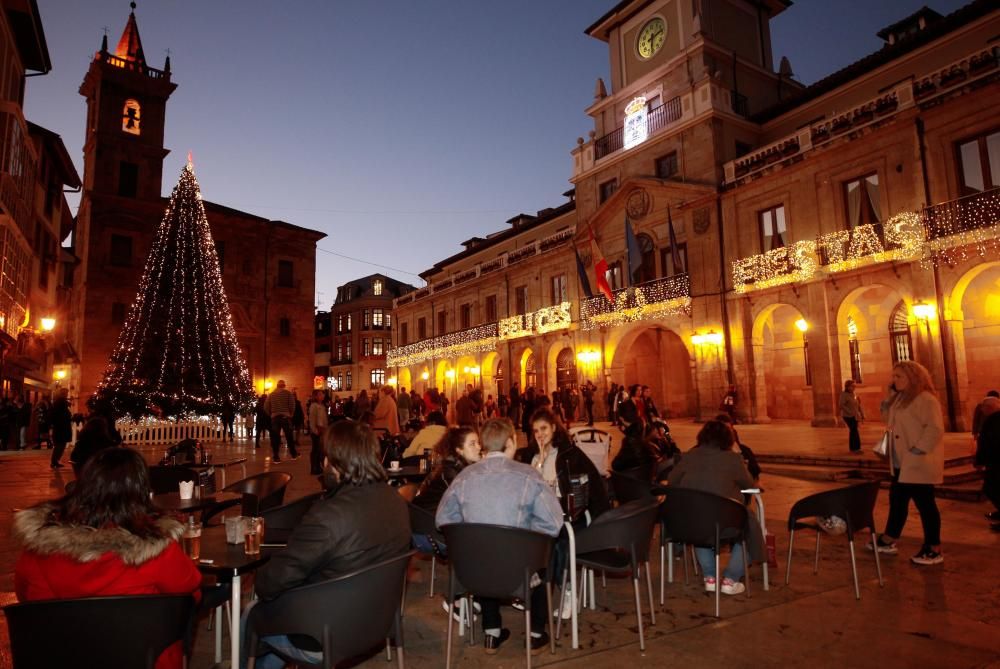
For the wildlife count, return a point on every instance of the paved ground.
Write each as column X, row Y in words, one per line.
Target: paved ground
column 922, row 617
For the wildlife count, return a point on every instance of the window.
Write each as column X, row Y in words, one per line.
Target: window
column 899, row 335
column 366, row 319
column 340, row 350
column 121, row 251
column 670, row 268
column 442, row 324
column 979, row 163
column 666, row 166
column 349, row 384
column 378, row 378
column 404, row 334
column 131, row 117
column 614, row 275
column 220, row 251
column 559, row 289
column 491, row 308
column 117, row 313
column 377, row 286
column 521, row 300
column 854, row 349
column 772, row 228
column 366, row 346
column 285, row 327
column 347, row 353
column 606, row 190
column 286, row 274
column 128, row 179
column 340, row 381
column 377, row 318
column 653, row 102
column 421, row 329
column 647, row 271
column 862, row 197
column 340, row 324
column 377, row 346
column 465, row 313
column 388, row 320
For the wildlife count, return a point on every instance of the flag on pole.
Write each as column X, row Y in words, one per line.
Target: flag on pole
column 600, row 267
column 634, row 252
column 675, row 252
column 581, row 273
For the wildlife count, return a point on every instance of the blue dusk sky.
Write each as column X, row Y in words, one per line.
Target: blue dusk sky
column 399, row 128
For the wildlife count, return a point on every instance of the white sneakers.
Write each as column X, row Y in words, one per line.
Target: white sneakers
column 729, row 586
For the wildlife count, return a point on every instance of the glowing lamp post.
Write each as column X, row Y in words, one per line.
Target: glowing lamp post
column 48, row 324
column 802, row 325
column 924, row 311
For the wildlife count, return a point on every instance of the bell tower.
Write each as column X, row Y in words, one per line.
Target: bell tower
column 126, row 111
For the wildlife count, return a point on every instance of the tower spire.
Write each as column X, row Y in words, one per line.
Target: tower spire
column 130, row 46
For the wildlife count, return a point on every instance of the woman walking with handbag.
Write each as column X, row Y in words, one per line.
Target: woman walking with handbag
column 912, row 415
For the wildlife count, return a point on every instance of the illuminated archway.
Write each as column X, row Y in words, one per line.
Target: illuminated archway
column 977, row 296
column 404, row 378
column 780, row 338
column 657, row 357
column 132, row 117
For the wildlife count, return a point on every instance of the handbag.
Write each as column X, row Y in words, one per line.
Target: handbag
column 882, row 447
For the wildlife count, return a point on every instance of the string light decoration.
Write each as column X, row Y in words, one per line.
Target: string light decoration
column 843, row 250
column 467, row 342
column 653, row 300
column 548, row 319
column 962, row 228
column 177, row 354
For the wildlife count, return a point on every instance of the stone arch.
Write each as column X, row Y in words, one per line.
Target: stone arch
column 527, row 355
column 566, row 374
column 658, row 357
column 780, row 355
column 488, row 374
column 871, row 307
column 404, row 378
column 975, row 300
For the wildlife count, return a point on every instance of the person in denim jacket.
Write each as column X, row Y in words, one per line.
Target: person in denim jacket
column 499, row 491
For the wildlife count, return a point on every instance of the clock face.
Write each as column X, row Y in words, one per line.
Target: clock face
column 651, row 37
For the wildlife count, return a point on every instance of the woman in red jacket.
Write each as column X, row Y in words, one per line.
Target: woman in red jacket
column 104, row 539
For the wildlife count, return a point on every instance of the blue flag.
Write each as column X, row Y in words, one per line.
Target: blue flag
column 675, row 252
column 634, row 252
column 581, row 272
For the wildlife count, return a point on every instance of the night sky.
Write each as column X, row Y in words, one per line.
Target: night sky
column 399, row 128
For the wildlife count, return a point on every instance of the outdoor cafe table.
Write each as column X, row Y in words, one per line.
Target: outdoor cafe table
column 228, row 561
column 220, row 465
column 171, row 502
column 406, row 474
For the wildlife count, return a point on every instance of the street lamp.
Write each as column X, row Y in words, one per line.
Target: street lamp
column 802, row 325
column 924, row 311
column 48, row 324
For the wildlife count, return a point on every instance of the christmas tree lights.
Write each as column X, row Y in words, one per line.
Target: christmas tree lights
column 177, row 353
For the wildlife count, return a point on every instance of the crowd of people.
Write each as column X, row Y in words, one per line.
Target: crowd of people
column 104, row 537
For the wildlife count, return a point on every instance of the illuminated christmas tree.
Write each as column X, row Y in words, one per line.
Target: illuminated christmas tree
column 177, row 353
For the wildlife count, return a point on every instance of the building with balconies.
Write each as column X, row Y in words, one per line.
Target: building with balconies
column 784, row 238
column 34, row 218
column 359, row 335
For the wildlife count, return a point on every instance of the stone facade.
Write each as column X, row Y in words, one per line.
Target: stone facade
column 268, row 267
column 732, row 150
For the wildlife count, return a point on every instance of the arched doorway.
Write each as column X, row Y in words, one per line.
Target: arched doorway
column 781, row 363
column 871, row 322
column 498, row 376
column 657, row 357
column 566, row 369
column 978, row 296
column 530, row 375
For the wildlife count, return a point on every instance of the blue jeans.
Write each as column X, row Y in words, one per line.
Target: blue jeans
column 278, row 642
column 734, row 568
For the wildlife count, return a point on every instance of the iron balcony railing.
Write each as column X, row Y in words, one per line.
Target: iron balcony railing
column 657, row 118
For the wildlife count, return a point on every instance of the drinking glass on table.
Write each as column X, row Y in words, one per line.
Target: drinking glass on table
column 191, row 539
column 251, row 540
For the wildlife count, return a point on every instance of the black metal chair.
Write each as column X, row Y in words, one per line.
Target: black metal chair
column 854, row 504
column 259, row 493
column 132, row 631
column 165, row 478
column 702, row 519
column 498, row 562
column 348, row 615
column 618, row 542
column 630, row 485
column 422, row 523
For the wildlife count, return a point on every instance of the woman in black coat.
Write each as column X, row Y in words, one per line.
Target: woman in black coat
column 456, row 450
column 61, row 420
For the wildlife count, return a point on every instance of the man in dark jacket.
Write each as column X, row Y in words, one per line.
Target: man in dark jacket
column 359, row 522
column 62, row 426
column 988, row 459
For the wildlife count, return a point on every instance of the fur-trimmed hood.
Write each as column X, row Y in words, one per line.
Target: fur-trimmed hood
column 38, row 534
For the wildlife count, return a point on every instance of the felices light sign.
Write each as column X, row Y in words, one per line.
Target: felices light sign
column 834, row 252
column 635, row 130
column 544, row 320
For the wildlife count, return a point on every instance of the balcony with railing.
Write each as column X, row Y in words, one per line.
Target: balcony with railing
column 659, row 298
column 975, row 69
column 656, row 119
column 536, row 248
column 971, row 219
column 130, row 65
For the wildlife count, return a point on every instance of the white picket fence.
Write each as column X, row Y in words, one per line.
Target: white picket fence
column 153, row 431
